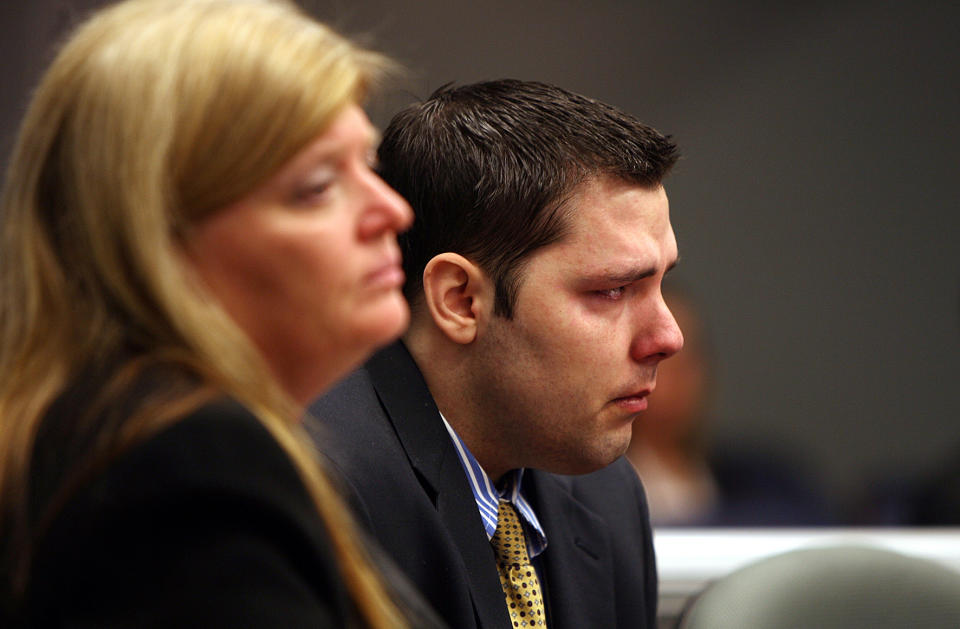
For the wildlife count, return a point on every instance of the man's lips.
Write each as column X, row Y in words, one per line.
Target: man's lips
column 633, row 402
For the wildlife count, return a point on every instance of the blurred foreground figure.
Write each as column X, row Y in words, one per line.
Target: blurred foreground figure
column 687, row 481
column 193, row 246
column 541, row 238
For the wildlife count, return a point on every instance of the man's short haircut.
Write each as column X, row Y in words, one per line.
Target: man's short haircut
column 488, row 169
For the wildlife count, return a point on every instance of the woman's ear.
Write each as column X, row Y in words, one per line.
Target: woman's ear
column 458, row 294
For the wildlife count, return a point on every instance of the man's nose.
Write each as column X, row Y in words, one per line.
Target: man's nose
column 661, row 338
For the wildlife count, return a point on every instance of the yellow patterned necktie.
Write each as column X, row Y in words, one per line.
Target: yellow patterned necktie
column 517, row 576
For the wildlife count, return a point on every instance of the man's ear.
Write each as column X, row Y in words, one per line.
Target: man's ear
column 458, row 294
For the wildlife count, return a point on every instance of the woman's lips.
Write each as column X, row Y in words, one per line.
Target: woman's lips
column 388, row 276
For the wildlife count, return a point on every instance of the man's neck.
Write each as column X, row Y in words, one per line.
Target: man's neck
column 448, row 379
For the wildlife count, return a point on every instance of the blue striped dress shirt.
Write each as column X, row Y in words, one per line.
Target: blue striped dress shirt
column 488, row 497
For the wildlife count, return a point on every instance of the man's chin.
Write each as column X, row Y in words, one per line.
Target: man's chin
column 593, row 462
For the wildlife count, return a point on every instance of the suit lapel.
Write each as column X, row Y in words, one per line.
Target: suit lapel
column 416, row 420
column 578, row 561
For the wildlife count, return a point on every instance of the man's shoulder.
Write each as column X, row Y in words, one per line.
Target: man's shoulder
column 349, row 422
column 382, row 413
column 617, row 477
column 604, row 515
column 359, row 400
column 614, row 492
column 355, row 434
column 353, row 396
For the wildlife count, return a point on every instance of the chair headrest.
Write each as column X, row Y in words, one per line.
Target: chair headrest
column 830, row 588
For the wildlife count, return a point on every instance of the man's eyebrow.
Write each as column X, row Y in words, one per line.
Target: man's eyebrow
column 628, row 275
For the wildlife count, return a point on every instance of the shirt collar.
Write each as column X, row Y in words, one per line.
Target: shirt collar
column 487, row 496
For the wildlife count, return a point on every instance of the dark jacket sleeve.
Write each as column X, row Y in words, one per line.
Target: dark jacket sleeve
column 206, row 524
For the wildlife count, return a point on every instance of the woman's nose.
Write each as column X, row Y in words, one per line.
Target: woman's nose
column 385, row 209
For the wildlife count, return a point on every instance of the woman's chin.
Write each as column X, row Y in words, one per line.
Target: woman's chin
column 392, row 322
column 383, row 326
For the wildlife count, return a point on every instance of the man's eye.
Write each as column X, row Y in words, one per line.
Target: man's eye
column 612, row 294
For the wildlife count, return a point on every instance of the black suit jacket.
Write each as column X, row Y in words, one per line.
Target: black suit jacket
column 381, row 429
column 206, row 524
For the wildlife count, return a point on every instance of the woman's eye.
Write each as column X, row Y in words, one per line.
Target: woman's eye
column 318, row 189
column 315, row 189
column 314, row 194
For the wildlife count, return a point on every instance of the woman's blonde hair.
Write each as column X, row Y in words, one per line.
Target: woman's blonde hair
column 154, row 114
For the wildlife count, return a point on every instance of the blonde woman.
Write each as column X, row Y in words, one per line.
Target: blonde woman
column 194, row 246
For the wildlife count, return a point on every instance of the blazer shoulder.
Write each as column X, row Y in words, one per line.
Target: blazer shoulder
column 206, row 522
column 220, row 446
column 350, row 427
column 617, row 507
column 351, row 400
column 616, row 486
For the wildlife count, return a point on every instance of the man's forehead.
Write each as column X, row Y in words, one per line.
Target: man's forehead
column 617, row 210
